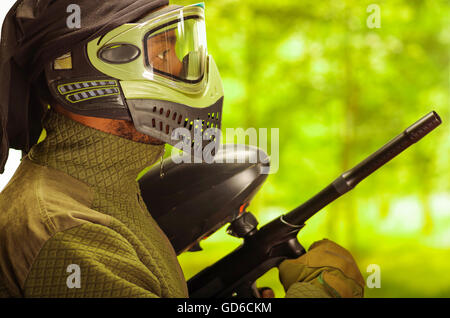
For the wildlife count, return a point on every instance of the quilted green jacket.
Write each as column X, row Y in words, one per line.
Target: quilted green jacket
column 74, row 200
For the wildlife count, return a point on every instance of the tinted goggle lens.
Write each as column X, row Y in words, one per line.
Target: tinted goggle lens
column 178, row 50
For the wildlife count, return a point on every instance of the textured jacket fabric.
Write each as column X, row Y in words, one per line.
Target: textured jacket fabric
column 74, row 200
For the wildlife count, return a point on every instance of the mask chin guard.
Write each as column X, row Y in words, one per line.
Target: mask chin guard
column 177, row 125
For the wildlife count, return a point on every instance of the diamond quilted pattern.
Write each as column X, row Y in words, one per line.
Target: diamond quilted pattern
column 109, row 267
column 110, row 165
column 306, row 290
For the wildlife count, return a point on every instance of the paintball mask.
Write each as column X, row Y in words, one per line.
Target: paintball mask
column 155, row 72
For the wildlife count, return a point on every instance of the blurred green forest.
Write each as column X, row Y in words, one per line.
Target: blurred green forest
column 338, row 90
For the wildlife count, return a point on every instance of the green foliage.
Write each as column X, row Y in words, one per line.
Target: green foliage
column 338, row 90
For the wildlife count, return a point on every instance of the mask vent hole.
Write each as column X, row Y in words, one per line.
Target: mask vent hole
column 161, row 111
column 167, row 129
column 161, row 126
column 154, row 109
column 153, row 122
column 174, row 116
column 179, row 119
column 168, row 114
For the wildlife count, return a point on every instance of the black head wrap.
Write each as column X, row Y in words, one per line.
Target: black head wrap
column 34, row 33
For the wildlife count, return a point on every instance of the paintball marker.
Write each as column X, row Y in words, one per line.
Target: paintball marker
column 192, row 201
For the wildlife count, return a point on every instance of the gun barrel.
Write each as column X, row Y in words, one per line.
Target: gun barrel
column 349, row 179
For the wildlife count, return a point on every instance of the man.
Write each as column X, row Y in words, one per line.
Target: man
column 72, row 220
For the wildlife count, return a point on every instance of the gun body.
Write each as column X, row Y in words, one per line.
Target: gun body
column 235, row 274
column 191, row 201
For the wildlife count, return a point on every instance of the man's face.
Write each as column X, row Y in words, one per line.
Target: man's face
column 162, row 53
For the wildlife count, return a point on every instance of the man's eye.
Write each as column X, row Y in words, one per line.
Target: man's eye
column 163, row 54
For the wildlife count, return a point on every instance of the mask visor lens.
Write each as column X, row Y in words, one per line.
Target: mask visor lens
column 177, row 50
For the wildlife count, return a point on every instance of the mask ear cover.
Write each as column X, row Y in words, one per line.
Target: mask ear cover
column 86, row 91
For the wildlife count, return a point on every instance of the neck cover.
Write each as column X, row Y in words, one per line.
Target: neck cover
column 34, row 33
column 108, row 163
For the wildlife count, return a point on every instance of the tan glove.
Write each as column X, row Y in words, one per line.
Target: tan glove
column 328, row 266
